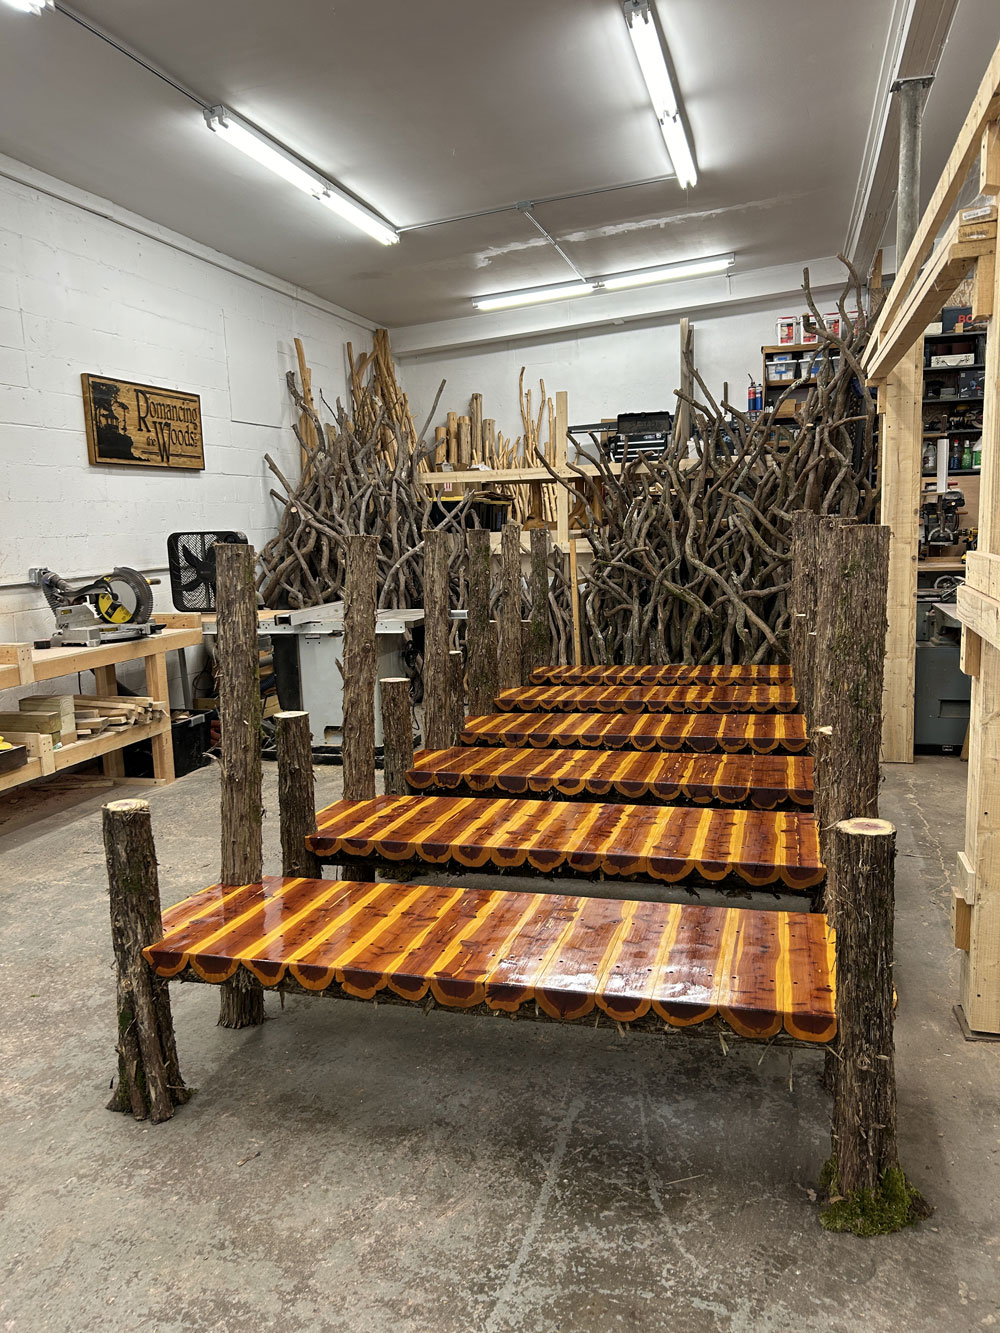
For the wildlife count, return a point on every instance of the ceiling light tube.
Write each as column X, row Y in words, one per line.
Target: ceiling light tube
column 30, row 6
column 688, row 268
column 533, row 295
column 653, row 63
column 234, row 130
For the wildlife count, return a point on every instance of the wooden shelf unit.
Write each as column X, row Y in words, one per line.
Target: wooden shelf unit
column 21, row 664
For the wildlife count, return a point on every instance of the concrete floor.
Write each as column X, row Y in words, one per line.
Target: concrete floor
column 347, row 1166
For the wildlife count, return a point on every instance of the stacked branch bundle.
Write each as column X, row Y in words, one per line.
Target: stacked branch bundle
column 691, row 556
column 361, row 474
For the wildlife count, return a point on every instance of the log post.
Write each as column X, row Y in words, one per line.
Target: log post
column 296, row 800
column 480, row 631
column 397, row 734
column 238, row 667
column 456, row 682
column 149, row 1076
column 852, row 571
column 437, row 632
column 541, row 639
column 802, row 599
column 510, row 606
column 359, row 667
column 867, row 1191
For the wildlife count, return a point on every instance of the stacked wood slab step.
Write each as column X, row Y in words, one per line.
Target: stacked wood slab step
column 732, row 733
column 665, row 843
column 764, row 781
column 648, row 699
column 662, row 675
column 647, row 964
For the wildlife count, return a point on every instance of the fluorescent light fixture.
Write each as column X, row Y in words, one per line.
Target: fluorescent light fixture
column 653, row 63
column 273, row 155
column 637, row 277
column 688, row 268
column 533, row 295
column 30, row 6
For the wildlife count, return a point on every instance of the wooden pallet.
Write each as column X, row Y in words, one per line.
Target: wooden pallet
column 765, row 781
column 649, row 699
column 763, row 973
column 662, row 675
column 706, row 733
column 667, row 843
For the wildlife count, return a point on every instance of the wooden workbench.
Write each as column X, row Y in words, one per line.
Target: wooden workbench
column 21, row 664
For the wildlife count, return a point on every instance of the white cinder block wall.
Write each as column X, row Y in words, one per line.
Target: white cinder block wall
column 87, row 287
column 627, row 368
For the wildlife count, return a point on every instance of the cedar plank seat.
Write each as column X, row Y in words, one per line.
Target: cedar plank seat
column 648, row 699
column 751, row 674
column 765, row 781
column 705, row 733
column 667, row 843
column 764, row 973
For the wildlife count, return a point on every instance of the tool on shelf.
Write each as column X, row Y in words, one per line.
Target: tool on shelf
column 108, row 609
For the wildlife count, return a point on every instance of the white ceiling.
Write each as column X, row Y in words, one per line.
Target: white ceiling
column 431, row 109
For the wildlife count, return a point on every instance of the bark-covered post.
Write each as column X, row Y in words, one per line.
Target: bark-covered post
column 359, row 667
column 480, row 631
column 541, row 638
column 238, row 668
column 510, row 606
column 456, row 681
column 397, row 734
column 296, row 800
column 867, row 1191
column 852, row 565
column 437, row 632
column 149, row 1076
column 802, row 603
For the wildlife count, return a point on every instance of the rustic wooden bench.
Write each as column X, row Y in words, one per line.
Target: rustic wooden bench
column 649, row 699
column 764, row 781
column 765, row 974
column 661, row 675
column 731, row 733
column 666, row 843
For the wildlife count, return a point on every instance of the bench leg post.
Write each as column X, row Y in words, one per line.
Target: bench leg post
column 296, row 799
column 149, row 1078
column 242, row 997
column 867, row 1191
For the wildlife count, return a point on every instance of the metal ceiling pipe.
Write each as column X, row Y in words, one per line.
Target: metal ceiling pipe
column 912, row 95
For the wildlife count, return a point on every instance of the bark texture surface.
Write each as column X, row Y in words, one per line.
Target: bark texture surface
column 149, row 1078
column 359, row 669
column 296, row 800
column 241, row 1000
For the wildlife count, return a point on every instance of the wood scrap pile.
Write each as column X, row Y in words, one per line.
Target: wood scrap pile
column 471, row 440
column 96, row 715
column 692, row 554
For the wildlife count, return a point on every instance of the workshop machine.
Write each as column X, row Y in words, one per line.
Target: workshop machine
column 107, row 609
column 940, row 522
column 307, row 650
column 941, row 688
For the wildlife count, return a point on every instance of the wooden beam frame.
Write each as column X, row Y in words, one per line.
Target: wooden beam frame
column 894, row 362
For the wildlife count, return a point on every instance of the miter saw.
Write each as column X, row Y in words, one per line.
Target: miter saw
column 107, row 609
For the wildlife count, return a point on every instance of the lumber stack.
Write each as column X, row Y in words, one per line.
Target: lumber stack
column 95, row 715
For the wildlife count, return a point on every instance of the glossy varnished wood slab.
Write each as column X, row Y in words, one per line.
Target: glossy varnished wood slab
column 669, row 843
column 706, row 733
column 755, row 674
column 765, row 781
column 760, row 971
column 648, row 699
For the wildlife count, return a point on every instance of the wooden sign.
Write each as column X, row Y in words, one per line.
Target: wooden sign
column 142, row 426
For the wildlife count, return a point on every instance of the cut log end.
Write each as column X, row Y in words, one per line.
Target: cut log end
column 867, row 828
